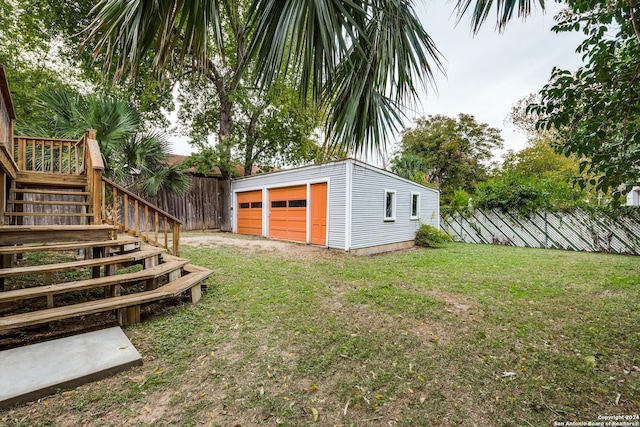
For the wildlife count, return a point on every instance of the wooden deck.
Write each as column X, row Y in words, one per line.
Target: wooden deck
column 69, row 207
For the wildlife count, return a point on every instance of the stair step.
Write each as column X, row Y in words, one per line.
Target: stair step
column 118, row 279
column 176, row 287
column 13, row 234
column 120, row 241
column 169, row 290
column 51, row 192
column 44, row 179
column 49, row 214
column 65, row 266
column 48, row 203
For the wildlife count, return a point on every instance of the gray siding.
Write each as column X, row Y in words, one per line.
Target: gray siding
column 368, row 226
column 368, row 184
column 334, row 173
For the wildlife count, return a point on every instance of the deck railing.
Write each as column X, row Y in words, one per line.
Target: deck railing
column 110, row 202
column 134, row 215
column 50, row 155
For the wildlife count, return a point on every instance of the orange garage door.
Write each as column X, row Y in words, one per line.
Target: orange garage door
column 288, row 213
column 250, row 212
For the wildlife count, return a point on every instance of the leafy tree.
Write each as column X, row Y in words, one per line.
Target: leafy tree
column 540, row 159
column 453, row 151
column 270, row 130
column 132, row 156
column 596, row 109
column 513, row 191
column 359, row 60
column 26, row 51
column 536, row 177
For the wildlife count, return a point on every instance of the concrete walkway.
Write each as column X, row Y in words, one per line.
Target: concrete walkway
column 31, row 372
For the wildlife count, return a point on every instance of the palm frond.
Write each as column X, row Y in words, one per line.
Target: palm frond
column 127, row 30
column 387, row 61
column 170, row 178
column 314, row 35
column 504, row 11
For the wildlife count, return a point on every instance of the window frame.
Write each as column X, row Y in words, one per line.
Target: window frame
column 394, row 204
column 418, row 196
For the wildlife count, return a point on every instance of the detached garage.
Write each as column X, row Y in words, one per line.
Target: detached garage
column 347, row 205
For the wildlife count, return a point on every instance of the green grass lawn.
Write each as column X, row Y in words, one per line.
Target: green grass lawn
column 463, row 335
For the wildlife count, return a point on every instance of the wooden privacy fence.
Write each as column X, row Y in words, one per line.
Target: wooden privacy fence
column 204, row 206
column 576, row 230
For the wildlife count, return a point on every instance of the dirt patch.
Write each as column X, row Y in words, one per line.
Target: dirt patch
column 276, row 248
column 456, row 304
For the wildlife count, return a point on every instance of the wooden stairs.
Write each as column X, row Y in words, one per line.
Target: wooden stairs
column 66, row 252
column 63, row 198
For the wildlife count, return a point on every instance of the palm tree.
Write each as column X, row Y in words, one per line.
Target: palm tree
column 361, row 59
column 133, row 157
column 407, row 165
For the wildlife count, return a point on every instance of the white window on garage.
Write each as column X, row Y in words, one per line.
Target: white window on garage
column 389, row 205
column 415, row 205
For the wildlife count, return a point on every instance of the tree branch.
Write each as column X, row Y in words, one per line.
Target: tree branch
column 636, row 28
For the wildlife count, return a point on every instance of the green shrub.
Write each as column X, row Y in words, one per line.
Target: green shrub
column 431, row 237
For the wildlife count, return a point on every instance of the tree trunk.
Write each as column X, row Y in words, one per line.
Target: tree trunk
column 224, row 135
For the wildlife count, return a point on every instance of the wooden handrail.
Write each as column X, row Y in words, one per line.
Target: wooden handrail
column 141, row 200
column 134, row 215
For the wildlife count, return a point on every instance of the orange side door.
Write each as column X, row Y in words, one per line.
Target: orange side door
column 250, row 212
column 319, row 214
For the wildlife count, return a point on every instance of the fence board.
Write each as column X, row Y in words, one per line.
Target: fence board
column 571, row 230
column 204, row 206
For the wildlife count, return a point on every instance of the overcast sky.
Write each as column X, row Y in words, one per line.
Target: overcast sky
column 488, row 73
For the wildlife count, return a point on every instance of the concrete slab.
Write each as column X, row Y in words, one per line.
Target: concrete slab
column 31, row 372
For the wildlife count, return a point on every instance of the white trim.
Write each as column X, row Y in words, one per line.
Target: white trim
column 394, row 205
column 417, row 215
column 438, row 212
column 347, row 204
column 308, row 214
column 327, row 216
column 234, row 212
column 265, row 211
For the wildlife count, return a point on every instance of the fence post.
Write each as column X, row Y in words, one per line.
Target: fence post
column 461, row 232
column 546, row 233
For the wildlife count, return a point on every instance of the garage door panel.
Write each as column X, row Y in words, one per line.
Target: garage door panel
column 288, row 213
column 250, row 212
